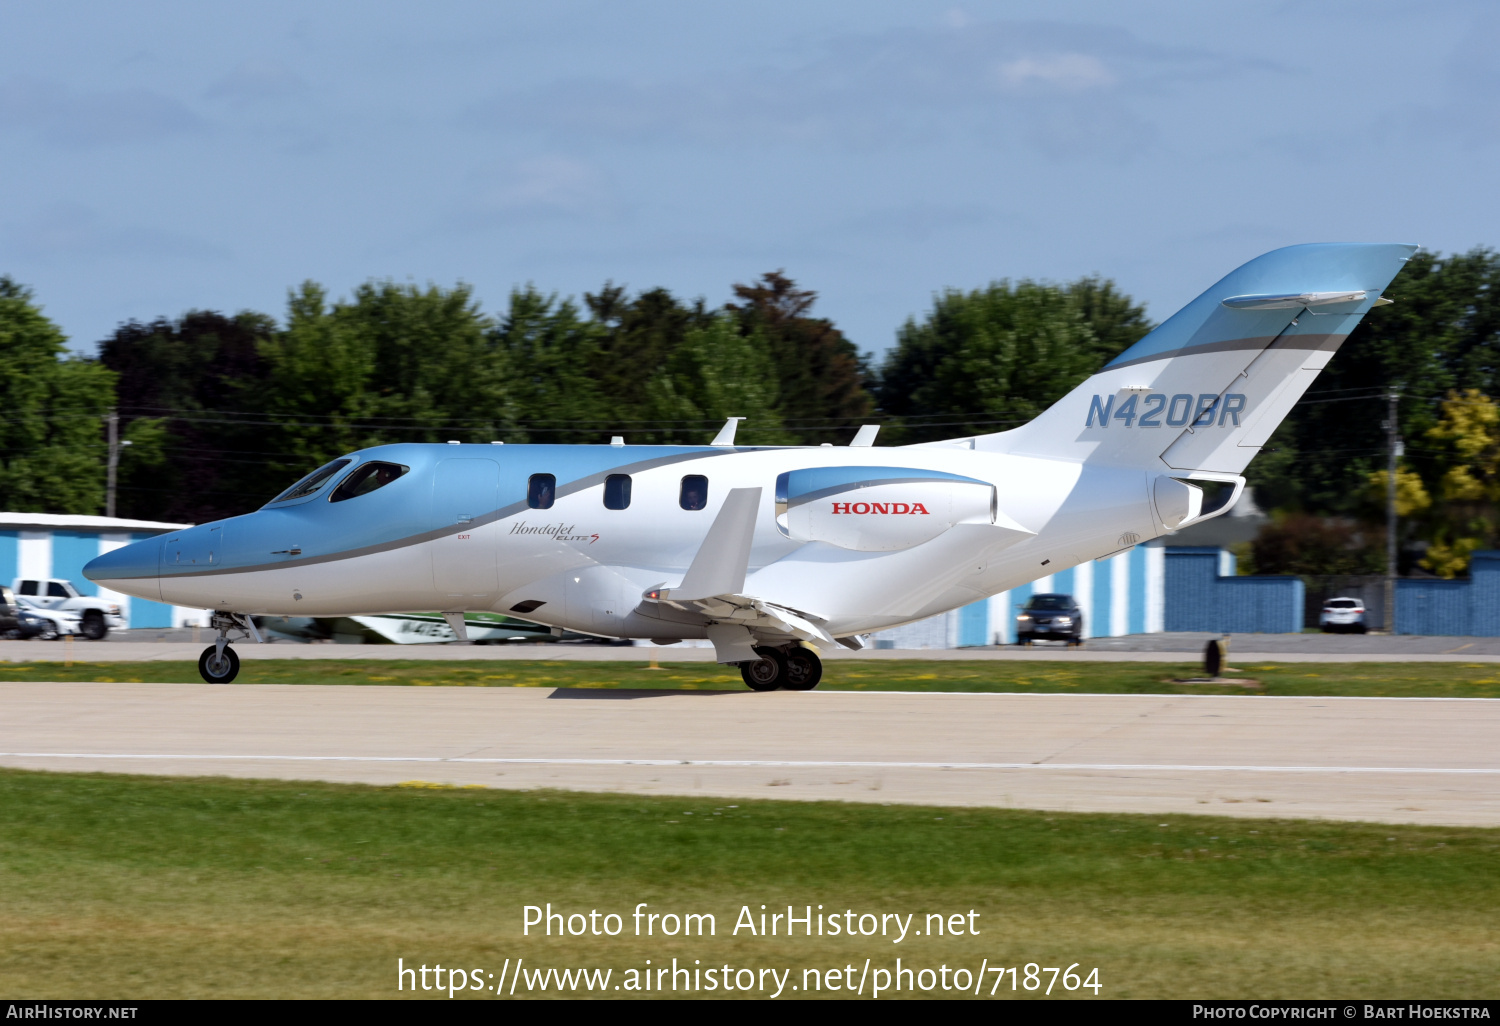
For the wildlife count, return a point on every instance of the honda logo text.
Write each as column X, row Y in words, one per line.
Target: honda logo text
column 910, row 508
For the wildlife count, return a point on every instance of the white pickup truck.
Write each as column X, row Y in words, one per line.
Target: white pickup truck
column 96, row 616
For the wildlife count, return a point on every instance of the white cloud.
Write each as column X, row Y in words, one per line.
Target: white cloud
column 1069, row 72
column 550, row 183
column 892, row 89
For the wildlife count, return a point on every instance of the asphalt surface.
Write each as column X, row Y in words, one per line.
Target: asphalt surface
column 1392, row 760
column 178, row 644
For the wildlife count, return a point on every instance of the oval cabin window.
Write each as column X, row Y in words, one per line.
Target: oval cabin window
column 540, row 491
column 617, row 491
column 694, row 494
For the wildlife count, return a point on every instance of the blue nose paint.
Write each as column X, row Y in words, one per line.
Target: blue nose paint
column 133, row 569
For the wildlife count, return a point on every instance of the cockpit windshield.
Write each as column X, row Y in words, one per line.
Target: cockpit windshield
column 312, row 482
column 366, row 478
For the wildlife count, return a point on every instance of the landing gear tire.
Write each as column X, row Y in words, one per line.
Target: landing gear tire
column 94, row 628
column 217, row 669
column 767, row 673
column 803, row 670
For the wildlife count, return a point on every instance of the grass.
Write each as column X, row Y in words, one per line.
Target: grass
column 1449, row 680
column 137, row 887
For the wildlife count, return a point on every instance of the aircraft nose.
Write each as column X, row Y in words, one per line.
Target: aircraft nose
column 131, row 569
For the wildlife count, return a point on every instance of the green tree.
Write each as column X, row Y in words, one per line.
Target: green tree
column 1466, row 467
column 638, row 336
column 394, row 363
column 51, row 448
column 551, row 350
column 716, row 373
column 1442, row 332
column 995, row 357
column 192, row 403
column 1299, row 543
column 819, row 375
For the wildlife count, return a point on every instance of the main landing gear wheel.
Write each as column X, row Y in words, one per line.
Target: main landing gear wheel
column 803, row 670
column 767, row 673
column 216, row 668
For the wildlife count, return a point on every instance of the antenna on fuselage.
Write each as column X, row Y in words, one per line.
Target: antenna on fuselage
column 865, row 437
column 726, row 433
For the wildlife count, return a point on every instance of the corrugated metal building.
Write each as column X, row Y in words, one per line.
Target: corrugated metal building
column 1469, row 607
column 42, row 545
column 1150, row 588
column 1203, row 594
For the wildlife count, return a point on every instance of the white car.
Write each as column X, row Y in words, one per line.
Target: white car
column 95, row 617
column 1343, row 616
column 63, row 621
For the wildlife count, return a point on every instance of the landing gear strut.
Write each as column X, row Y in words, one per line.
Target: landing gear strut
column 796, row 669
column 220, row 664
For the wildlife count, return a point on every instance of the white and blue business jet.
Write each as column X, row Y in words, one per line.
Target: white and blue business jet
column 774, row 552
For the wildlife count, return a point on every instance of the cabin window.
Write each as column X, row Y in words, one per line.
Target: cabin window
column 312, row 482
column 617, row 491
column 366, row 478
column 694, row 494
column 541, row 489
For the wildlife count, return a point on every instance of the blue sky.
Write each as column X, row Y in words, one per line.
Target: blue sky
column 157, row 157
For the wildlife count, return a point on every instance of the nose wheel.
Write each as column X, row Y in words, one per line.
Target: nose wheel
column 220, row 664
column 218, row 667
column 796, row 669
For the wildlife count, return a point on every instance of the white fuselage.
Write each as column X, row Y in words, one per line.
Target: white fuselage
column 585, row 567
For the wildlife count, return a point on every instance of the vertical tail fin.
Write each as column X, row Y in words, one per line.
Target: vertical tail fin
column 1204, row 391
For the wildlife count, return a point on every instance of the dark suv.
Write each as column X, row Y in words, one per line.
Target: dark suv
column 17, row 621
column 1050, row 617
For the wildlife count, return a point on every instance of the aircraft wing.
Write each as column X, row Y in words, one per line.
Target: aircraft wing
column 714, row 586
column 754, row 613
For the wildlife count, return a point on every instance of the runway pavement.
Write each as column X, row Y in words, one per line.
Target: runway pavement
column 1394, row 760
column 177, row 644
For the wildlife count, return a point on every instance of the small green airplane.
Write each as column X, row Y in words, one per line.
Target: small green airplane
column 418, row 629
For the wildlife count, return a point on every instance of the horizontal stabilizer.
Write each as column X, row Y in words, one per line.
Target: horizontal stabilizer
column 1205, row 389
column 1295, row 301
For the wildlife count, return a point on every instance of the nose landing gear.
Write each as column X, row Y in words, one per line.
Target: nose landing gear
column 220, row 664
column 795, row 669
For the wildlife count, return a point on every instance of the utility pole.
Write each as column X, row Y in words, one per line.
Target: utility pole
column 1394, row 450
column 114, row 461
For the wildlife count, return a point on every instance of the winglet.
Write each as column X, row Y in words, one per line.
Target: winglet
column 719, row 567
column 726, row 433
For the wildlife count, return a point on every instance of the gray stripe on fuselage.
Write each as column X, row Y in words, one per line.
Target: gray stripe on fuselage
column 500, row 514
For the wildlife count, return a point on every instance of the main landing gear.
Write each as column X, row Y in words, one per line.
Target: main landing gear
column 220, row 664
column 795, row 669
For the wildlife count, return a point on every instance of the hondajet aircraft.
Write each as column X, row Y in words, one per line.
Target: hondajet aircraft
column 772, row 553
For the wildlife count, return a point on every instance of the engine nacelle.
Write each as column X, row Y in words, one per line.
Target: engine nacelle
column 878, row 509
